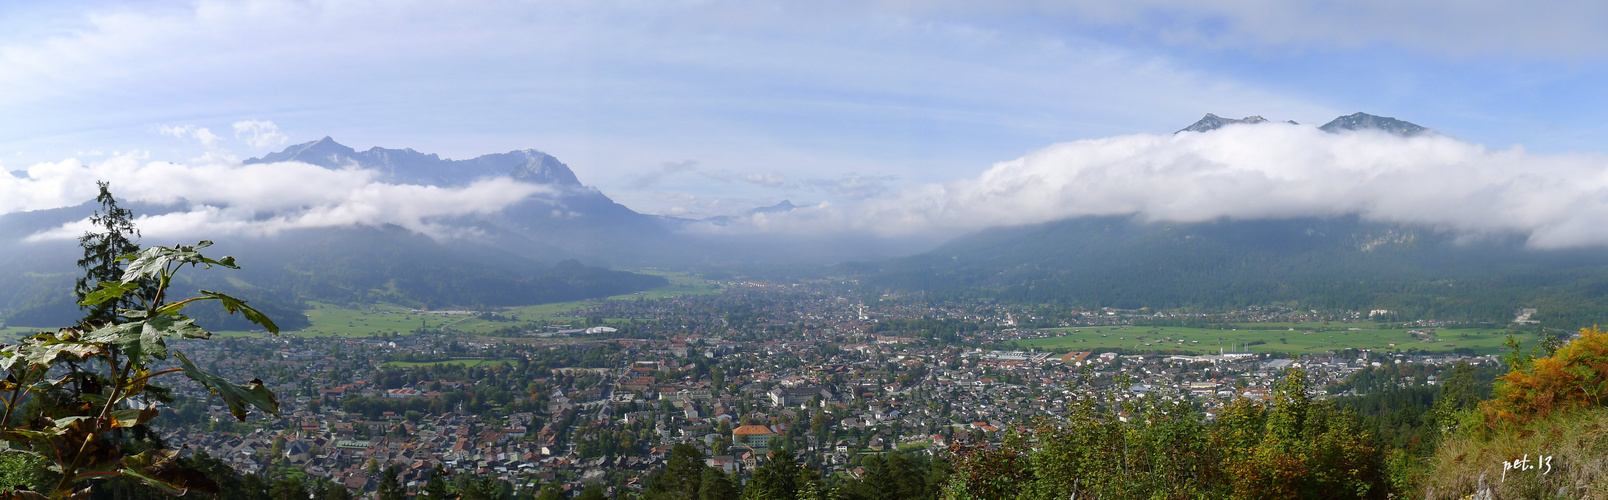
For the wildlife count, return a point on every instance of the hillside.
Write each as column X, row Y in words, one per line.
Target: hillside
column 1340, row 262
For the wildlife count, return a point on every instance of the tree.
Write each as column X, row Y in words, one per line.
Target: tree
column 716, row 485
column 776, row 480
column 337, row 492
column 254, row 487
column 288, row 489
column 102, row 257
column 593, row 491
column 682, row 475
column 390, row 487
column 108, row 368
column 436, row 487
column 552, row 491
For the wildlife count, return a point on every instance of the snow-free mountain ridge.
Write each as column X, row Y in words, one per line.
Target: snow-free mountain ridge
column 1360, row 121
column 1213, row 122
column 406, row 166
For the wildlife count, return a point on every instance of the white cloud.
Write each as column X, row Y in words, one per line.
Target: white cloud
column 199, row 134
column 768, row 179
column 1248, row 172
column 856, row 187
column 230, row 198
column 259, row 134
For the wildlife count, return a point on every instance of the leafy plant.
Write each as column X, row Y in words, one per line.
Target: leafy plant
column 83, row 384
column 1574, row 376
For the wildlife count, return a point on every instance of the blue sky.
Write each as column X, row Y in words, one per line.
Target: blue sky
column 702, row 108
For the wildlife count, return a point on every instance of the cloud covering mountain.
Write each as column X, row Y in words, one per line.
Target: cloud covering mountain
column 1391, row 171
column 222, row 197
column 1265, row 170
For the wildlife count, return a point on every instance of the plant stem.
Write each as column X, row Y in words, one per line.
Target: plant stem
column 69, row 473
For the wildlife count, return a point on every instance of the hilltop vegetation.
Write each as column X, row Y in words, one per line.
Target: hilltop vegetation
column 1542, row 434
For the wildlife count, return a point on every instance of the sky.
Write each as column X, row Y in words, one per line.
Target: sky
column 864, row 111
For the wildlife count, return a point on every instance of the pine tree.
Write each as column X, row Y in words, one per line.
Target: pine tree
column 115, row 238
column 288, row 489
column 436, row 487
column 717, row 486
column 551, row 492
column 391, row 485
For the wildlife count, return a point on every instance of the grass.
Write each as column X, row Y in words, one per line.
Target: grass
column 333, row 321
column 13, row 332
column 458, row 362
column 1292, row 338
column 1576, row 441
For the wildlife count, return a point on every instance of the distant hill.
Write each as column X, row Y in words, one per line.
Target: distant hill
column 1340, row 262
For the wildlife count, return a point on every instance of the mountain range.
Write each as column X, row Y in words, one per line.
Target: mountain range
column 560, row 247
column 1354, row 121
column 528, row 253
column 1317, row 262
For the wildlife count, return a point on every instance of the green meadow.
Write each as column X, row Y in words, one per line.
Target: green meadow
column 329, row 320
column 12, row 332
column 1293, row 338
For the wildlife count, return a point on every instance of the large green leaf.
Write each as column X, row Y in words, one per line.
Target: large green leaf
column 46, row 348
column 133, row 416
column 235, row 395
column 151, row 262
column 233, row 305
column 146, row 340
column 109, row 290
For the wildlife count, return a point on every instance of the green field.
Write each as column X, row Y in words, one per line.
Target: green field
column 334, row 321
column 12, row 332
column 1279, row 337
column 459, row 362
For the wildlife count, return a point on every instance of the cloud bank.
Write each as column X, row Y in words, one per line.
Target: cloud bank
column 223, row 197
column 1270, row 170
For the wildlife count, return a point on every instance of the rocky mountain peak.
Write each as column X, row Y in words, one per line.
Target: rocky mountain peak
column 1361, row 121
column 1213, row 122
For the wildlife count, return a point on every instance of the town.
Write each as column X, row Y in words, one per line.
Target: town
column 737, row 374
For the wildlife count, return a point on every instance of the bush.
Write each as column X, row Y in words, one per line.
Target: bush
column 1573, row 377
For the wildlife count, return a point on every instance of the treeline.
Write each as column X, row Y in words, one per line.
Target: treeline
column 886, row 476
column 1290, row 447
